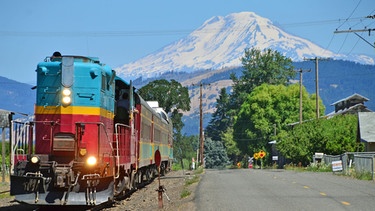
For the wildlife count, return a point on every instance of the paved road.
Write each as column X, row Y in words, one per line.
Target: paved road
column 249, row 189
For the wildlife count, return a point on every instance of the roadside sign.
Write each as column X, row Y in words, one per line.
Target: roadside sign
column 319, row 155
column 337, row 165
column 157, row 158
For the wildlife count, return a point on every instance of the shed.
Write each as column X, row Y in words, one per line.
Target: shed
column 347, row 103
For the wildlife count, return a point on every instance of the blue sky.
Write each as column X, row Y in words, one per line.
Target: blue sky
column 122, row 31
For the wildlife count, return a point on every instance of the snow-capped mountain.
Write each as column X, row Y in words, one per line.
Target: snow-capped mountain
column 220, row 42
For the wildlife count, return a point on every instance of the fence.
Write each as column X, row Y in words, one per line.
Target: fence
column 362, row 161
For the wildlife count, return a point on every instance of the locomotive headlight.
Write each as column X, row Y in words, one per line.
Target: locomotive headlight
column 66, row 100
column 67, row 92
column 91, row 161
column 35, row 159
column 66, row 97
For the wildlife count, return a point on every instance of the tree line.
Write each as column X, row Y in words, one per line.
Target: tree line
column 262, row 107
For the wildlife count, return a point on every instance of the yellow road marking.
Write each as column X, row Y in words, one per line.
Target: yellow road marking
column 345, row 203
column 306, row 187
column 323, row 194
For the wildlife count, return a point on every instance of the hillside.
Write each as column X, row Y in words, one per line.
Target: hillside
column 17, row 97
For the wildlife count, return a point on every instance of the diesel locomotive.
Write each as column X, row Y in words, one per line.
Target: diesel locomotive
column 81, row 148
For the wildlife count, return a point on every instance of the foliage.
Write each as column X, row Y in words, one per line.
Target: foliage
column 261, row 109
column 230, row 145
column 172, row 97
column 193, row 180
column 185, row 193
column 181, row 164
column 330, row 136
column 319, row 167
column 215, row 154
column 267, row 66
column 7, row 153
column 220, row 120
column 185, row 148
column 362, row 175
column 267, row 108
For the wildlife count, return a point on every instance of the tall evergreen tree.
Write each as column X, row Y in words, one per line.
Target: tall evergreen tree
column 215, row 154
column 220, row 119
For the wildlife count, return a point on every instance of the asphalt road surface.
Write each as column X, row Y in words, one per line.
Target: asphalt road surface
column 250, row 189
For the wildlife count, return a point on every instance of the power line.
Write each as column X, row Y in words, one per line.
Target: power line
column 148, row 32
column 351, row 13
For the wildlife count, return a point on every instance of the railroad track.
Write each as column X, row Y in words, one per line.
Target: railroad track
column 6, row 191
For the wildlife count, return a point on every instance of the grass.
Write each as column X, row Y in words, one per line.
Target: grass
column 185, row 193
column 322, row 167
column 5, row 195
column 363, row 175
column 4, row 187
column 195, row 179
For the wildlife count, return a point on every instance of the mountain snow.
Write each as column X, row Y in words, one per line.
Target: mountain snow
column 220, row 42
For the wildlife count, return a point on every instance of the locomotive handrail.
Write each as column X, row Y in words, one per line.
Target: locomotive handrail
column 117, row 147
column 20, row 136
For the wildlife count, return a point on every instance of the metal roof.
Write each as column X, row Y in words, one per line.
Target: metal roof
column 352, row 97
column 366, row 122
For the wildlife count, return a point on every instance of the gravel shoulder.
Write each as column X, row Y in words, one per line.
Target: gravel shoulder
column 177, row 184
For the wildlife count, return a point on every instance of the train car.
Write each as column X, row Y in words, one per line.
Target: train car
column 83, row 148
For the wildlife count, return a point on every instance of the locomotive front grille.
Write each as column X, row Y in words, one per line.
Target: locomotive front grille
column 63, row 143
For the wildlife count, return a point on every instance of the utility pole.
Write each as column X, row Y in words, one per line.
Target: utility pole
column 316, row 59
column 359, row 30
column 300, row 92
column 201, row 135
column 201, row 138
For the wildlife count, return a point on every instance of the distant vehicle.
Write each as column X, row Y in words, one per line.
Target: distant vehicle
column 81, row 149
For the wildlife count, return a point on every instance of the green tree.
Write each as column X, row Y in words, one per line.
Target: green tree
column 215, row 154
column 186, row 147
column 220, row 119
column 332, row 136
column 230, row 145
column 172, row 97
column 267, row 66
column 267, row 107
